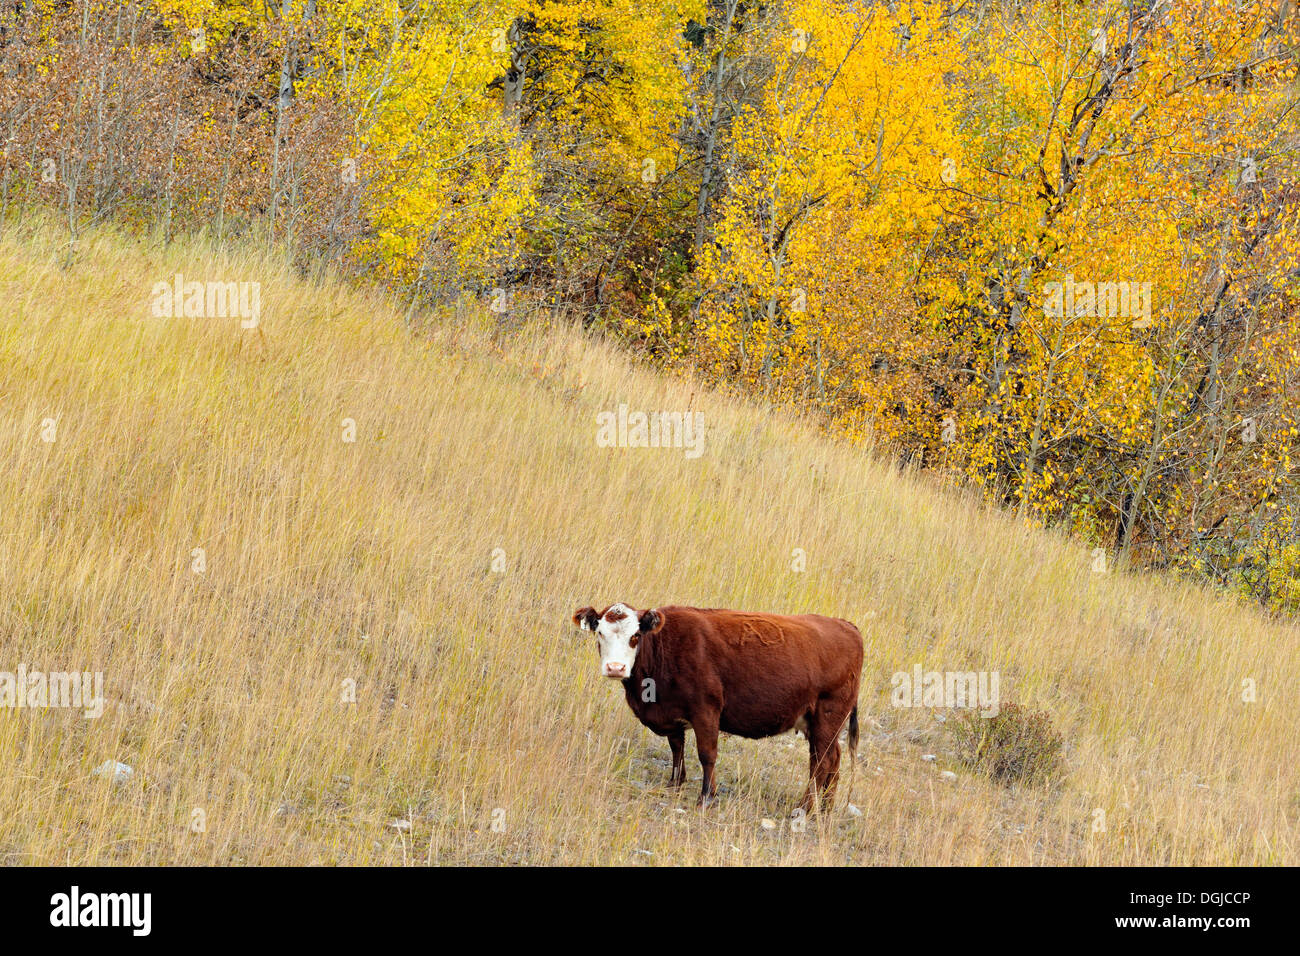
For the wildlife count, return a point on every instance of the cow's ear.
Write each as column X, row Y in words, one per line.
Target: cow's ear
column 586, row 618
column 651, row 621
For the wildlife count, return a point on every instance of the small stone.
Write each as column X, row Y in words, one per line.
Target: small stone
column 927, row 756
column 767, row 823
column 948, row 775
column 401, row 824
column 854, row 811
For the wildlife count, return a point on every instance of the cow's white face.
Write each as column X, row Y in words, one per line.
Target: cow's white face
column 618, row 633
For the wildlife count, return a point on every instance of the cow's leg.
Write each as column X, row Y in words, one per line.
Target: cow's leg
column 677, row 743
column 828, row 763
column 809, row 802
column 824, row 747
column 706, row 741
column 823, row 761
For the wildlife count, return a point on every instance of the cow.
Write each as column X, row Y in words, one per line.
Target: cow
column 752, row 675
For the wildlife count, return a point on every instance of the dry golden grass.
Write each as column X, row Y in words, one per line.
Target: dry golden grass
column 372, row 561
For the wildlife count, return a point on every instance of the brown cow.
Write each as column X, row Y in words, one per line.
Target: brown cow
column 752, row 675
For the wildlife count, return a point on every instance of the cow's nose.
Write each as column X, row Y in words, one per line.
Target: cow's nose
column 615, row 670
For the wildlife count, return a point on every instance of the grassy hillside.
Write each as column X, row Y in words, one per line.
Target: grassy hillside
column 375, row 561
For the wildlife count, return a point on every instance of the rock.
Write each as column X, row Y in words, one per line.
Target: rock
column 948, row 775
column 401, row 824
column 119, row 771
column 767, row 823
column 854, row 811
column 927, row 756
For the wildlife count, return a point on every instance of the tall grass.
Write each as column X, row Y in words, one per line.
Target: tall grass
column 481, row 731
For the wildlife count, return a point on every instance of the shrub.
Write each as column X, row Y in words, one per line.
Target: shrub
column 1016, row 744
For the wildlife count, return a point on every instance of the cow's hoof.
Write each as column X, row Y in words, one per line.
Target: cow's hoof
column 704, row 803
